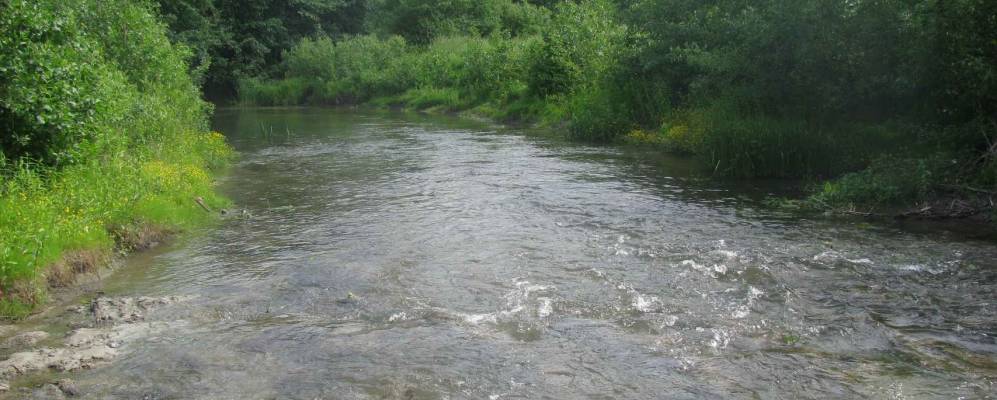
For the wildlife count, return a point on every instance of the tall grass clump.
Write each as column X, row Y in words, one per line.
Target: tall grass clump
column 105, row 141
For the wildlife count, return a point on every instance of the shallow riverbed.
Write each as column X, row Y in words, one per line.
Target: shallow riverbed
column 386, row 255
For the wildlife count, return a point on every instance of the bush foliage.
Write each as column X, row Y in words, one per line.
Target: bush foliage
column 103, row 129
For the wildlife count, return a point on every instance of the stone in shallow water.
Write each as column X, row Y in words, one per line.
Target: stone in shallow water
column 68, row 387
column 48, row 391
column 60, row 359
column 86, row 348
column 127, row 309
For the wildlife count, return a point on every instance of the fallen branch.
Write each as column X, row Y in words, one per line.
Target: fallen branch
column 200, row 202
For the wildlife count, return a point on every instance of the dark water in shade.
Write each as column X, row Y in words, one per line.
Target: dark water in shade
column 392, row 256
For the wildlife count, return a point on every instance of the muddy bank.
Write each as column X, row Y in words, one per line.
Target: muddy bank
column 76, row 272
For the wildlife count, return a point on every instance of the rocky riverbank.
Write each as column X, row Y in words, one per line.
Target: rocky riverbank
column 98, row 332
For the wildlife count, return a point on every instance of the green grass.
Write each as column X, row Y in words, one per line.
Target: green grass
column 284, row 92
column 45, row 214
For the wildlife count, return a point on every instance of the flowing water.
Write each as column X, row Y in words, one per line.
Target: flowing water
column 396, row 256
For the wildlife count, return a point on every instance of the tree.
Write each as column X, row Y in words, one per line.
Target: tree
column 240, row 38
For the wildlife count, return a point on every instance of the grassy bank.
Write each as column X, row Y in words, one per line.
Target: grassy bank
column 54, row 224
column 105, row 143
column 879, row 104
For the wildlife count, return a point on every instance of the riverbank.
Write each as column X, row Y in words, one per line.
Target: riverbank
column 76, row 220
column 106, row 147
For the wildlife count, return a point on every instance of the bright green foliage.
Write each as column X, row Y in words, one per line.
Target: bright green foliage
column 73, row 80
column 579, row 45
column 81, row 206
column 238, row 40
column 508, row 75
column 320, row 71
column 51, row 100
column 102, row 129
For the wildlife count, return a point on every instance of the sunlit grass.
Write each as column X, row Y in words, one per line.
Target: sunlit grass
column 45, row 214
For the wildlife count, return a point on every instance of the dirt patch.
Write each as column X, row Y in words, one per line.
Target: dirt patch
column 84, row 265
column 139, row 237
column 63, row 273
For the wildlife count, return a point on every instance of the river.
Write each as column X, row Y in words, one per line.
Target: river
column 394, row 256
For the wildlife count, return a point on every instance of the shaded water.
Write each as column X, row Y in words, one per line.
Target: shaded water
column 394, row 256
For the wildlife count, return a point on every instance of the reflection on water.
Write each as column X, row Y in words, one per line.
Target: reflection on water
column 398, row 256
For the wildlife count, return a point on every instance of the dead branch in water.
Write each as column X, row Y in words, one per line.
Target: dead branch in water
column 200, row 202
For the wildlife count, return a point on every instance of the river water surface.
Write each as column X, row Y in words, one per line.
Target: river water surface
column 391, row 256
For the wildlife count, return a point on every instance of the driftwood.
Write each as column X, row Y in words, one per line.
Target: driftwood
column 200, row 202
column 956, row 209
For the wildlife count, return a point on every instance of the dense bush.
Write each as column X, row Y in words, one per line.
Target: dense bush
column 235, row 39
column 552, row 71
column 422, row 21
column 103, row 131
column 51, row 99
column 887, row 181
column 815, row 70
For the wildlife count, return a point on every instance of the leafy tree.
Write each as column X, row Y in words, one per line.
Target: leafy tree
column 235, row 39
column 420, row 21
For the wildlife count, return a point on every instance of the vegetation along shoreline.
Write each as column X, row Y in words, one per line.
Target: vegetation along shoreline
column 106, row 142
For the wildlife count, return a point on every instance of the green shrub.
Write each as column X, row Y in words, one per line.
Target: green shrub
column 366, row 66
column 594, row 116
column 552, row 71
column 104, row 129
column 456, row 72
column 52, row 99
column 497, row 70
column 887, row 181
column 315, row 58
